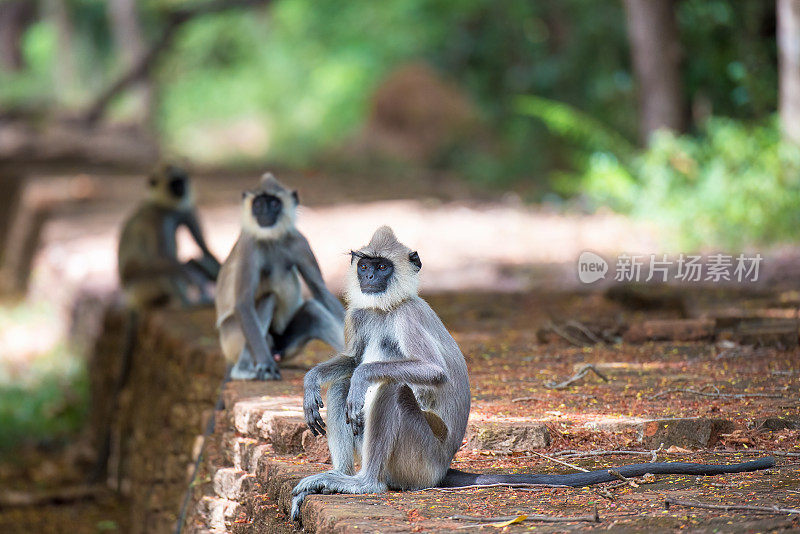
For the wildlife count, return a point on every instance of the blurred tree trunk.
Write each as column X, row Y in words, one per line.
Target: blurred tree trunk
column 789, row 67
column 656, row 55
column 57, row 12
column 130, row 44
column 15, row 16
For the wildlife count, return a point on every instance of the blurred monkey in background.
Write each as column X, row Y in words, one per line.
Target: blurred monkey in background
column 261, row 313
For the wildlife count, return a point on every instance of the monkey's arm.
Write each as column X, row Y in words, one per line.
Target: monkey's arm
column 309, row 270
column 245, row 311
column 325, row 372
column 417, row 372
column 193, row 225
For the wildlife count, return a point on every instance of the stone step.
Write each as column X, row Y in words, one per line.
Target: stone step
column 512, row 436
column 231, row 483
column 688, row 432
column 217, row 513
column 280, row 426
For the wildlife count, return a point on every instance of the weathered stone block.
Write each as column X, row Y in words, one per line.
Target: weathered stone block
column 254, row 417
column 690, row 432
column 316, row 447
column 217, row 512
column 328, row 512
column 230, row 483
column 241, row 450
column 687, row 432
column 507, row 436
column 285, row 432
column 776, row 423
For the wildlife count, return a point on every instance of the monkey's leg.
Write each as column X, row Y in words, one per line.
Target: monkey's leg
column 199, row 278
column 233, row 341
column 396, row 432
column 311, row 321
column 341, row 442
column 208, row 267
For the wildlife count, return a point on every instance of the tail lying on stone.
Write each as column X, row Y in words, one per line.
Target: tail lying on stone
column 455, row 478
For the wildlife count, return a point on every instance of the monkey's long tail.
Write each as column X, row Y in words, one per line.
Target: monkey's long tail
column 455, row 478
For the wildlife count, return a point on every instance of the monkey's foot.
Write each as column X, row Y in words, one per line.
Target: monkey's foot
column 243, row 370
column 265, row 371
column 332, row 482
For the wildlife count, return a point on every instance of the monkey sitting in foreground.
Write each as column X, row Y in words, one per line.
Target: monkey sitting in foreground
column 399, row 394
column 149, row 269
column 261, row 315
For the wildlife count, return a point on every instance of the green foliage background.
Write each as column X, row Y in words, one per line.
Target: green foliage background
column 302, row 72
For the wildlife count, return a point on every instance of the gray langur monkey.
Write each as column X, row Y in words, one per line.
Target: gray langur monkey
column 399, row 394
column 261, row 314
column 149, row 269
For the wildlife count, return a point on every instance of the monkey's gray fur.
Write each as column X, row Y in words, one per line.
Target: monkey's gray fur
column 150, row 272
column 399, row 394
column 261, row 313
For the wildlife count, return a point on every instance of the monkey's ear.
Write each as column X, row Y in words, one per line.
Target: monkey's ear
column 415, row 261
column 296, row 197
column 244, row 195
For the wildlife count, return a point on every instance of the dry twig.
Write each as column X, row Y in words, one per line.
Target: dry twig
column 572, row 453
column 731, row 507
column 525, row 399
column 583, row 371
column 585, row 331
column 714, row 394
column 628, row 481
column 560, row 462
column 566, row 335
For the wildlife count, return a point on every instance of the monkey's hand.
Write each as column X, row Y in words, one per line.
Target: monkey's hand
column 355, row 403
column 312, row 402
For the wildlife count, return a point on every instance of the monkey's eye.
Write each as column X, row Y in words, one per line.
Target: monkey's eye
column 381, row 266
column 363, row 267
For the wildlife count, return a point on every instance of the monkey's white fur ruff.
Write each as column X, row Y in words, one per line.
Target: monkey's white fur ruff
column 404, row 283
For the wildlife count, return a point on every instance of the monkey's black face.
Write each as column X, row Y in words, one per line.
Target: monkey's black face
column 374, row 274
column 266, row 209
column 177, row 186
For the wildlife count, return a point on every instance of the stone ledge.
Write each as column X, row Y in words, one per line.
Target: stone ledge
column 507, row 436
column 694, row 432
column 233, row 484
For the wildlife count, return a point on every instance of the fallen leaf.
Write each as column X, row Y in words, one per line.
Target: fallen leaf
column 517, row 519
